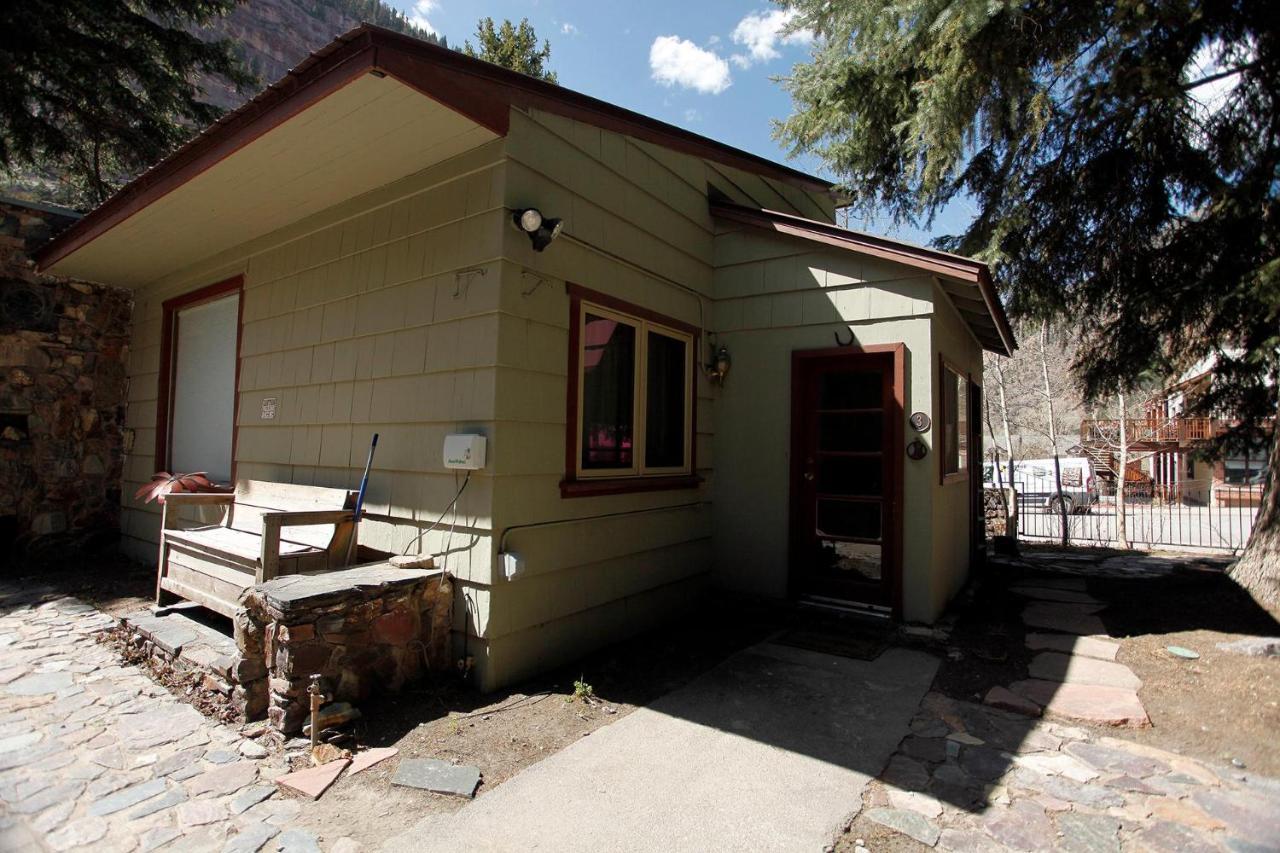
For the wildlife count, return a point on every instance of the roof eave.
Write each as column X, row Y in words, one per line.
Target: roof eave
column 929, row 260
column 479, row 90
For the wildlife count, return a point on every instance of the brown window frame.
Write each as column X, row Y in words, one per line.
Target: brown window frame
column 576, row 482
column 168, row 355
column 964, row 379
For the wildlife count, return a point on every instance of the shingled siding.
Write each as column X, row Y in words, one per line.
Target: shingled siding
column 360, row 319
column 637, row 228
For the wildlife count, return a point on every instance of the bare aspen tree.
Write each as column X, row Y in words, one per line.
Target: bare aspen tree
column 999, row 368
column 1048, row 393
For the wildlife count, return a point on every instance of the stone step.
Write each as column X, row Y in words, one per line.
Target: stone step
column 1066, row 618
column 1073, row 669
column 1072, row 645
column 1066, row 596
column 1091, row 703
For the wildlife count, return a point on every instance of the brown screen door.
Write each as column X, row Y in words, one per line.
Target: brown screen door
column 847, row 423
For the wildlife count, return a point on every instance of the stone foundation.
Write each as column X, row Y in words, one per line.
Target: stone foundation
column 366, row 631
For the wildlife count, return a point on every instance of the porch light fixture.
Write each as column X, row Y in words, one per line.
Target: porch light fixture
column 718, row 368
column 541, row 230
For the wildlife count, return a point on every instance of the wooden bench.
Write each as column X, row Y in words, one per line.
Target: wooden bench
column 267, row 529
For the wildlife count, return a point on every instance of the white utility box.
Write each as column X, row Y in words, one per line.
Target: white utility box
column 464, row 451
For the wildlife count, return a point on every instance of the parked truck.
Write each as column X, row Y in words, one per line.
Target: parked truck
column 1036, row 484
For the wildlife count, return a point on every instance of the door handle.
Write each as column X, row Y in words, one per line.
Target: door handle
column 808, row 475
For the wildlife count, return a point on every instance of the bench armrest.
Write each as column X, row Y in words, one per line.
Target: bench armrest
column 308, row 517
column 269, row 561
column 200, row 497
column 175, row 502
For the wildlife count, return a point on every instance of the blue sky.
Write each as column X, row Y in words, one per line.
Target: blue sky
column 705, row 65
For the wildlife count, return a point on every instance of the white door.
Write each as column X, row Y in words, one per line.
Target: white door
column 204, row 388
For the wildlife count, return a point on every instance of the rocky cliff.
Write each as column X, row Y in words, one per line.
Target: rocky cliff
column 273, row 36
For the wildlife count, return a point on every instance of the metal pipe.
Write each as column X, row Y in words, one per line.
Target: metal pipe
column 502, row 540
column 316, row 698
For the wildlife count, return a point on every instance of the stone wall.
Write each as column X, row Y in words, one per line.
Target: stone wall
column 63, row 388
column 995, row 511
column 366, row 630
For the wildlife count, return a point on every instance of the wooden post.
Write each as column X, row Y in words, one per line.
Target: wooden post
column 269, row 559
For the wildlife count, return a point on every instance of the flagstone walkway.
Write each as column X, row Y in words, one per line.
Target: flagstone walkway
column 1073, row 676
column 96, row 756
column 1016, row 773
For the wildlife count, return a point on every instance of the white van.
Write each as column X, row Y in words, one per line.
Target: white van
column 1035, row 482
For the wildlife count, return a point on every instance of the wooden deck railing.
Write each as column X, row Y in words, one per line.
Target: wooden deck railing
column 1138, row 430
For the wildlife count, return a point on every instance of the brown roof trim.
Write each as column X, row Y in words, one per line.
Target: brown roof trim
column 930, row 260
column 479, row 90
column 320, row 74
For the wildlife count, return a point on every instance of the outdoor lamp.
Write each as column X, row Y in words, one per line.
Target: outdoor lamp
column 540, row 229
column 718, row 369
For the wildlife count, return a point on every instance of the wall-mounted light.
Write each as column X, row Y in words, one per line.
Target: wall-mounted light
column 540, row 229
column 718, row 368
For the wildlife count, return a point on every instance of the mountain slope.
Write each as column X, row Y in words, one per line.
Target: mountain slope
column 273, row 36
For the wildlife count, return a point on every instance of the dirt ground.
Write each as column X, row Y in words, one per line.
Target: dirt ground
column 1221, row 707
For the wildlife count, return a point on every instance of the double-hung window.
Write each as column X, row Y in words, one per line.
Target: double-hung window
column 631, row 423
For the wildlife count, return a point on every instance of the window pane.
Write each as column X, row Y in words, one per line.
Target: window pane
column 851, row 558
column 204, row 388
column 665, row 409
column 851, row 475
column 854, row 431
column 955, row 423
column 608, row 393
column 852, row 519
column 850, row 389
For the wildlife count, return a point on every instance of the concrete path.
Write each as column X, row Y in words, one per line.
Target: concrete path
column 769, row 751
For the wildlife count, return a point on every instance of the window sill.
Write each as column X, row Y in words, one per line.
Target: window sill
column 627, row 485
column 956, row 477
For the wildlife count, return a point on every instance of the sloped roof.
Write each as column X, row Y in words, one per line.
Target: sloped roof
column 481, row 91
column 966, row 281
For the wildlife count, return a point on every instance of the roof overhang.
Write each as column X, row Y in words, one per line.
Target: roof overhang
column 966, row 282
column 347, row 74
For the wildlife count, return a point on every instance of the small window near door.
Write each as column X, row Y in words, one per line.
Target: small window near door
column 632, row 425
column 954, row 435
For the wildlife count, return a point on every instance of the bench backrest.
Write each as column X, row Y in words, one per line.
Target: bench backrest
column 254, row 497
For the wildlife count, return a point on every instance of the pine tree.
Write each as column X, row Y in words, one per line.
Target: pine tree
column 97, row 91
column 1124, row 160
column 512, row 46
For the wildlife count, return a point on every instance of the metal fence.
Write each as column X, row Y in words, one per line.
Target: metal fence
column 1193, row 514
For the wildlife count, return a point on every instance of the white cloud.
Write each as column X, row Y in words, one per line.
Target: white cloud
column 691, row 116
column 674, row 61
column 418, row 15
column 568, row 29
column 761, row 33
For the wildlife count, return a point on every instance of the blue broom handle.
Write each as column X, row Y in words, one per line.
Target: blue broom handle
column 364, row 485
column 364, row 481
